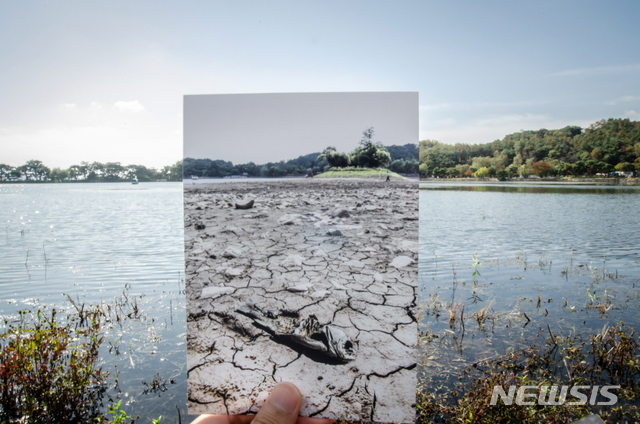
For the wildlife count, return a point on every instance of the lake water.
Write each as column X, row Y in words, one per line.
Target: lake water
column 525, row 259
column 105, row 242
column 566, row 256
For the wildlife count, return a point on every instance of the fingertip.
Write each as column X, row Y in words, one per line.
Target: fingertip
column 286, row 397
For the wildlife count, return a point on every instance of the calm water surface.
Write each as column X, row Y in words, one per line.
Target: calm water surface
column 552, row 253
column 98, row 243
column 528, row 258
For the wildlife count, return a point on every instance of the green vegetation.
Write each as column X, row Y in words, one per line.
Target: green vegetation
column 118, row 416
column 219, row 168
column 609, row 357
column 49, row 372
column 351, row 172
column 368, row 154
column 604, row 147
column 36, row 171
column 49, row 365
column 526, row 345
column 49, row 368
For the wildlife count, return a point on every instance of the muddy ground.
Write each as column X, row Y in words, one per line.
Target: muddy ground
column 266, row 258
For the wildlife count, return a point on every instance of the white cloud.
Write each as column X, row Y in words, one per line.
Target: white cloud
column 629, row 98
column 598, row 70
column 632, row 114
column 133, row 106
column 623, row 99
column 69, row 105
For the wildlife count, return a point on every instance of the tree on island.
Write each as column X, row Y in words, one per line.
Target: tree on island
column 335, row 159
column 370, row 154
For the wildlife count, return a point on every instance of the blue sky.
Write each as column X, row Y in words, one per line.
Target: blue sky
column 103, row 81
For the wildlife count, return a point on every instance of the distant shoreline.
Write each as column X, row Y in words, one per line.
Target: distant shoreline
column 544, row 181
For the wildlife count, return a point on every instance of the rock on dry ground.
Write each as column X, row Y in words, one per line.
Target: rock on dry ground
column 345, row 251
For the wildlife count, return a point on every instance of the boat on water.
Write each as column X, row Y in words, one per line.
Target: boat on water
column 134, row 181
column 194, row 177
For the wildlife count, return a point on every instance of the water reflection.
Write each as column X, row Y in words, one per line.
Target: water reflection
column 532, row 188
column 501, row 266
column 100, row 243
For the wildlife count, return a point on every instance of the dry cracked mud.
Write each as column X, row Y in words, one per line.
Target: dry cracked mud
column 314, row 283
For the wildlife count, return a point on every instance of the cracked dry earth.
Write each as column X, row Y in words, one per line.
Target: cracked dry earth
column 276, row 291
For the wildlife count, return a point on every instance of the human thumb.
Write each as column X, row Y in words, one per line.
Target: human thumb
column 281, row 407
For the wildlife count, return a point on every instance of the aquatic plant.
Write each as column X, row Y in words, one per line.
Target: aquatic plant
column 49, row 369
column 50, row 365
column 119, row 416
column 609, row 357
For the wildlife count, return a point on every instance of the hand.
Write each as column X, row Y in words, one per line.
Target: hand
column 281, row 407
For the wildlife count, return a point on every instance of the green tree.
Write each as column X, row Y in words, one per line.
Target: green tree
column 142, row 173
column 511, row 170
column 402, row 166
column 34, row 170
column 95, row 171
column 461, row 169
column 407, row 152
column 564, row 168
column 434, row 154
column 525, row 168
column 370, row 154
column 333, row 158
column 5, row 172
column 172, row 172
column 59, row 175
column 482, row 172
column 74, row 172
column 113, row 171
column 481, row 162
column 423, row 169
column 624, row 167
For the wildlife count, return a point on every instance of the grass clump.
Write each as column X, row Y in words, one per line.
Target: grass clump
column 353, row 172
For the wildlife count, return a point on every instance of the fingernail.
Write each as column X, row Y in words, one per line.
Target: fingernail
column 285, row 397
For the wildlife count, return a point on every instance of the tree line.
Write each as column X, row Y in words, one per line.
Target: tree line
column 605, row 147
column 400, row 159
column 368, row 154
column 35, row 170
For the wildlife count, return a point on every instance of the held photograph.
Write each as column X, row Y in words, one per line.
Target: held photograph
column 301, row 252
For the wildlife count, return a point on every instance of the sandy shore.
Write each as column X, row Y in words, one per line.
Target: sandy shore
column 342, row 251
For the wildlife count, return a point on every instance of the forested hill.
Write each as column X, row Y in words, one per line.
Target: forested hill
column 404, row 159
column 604, row 147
